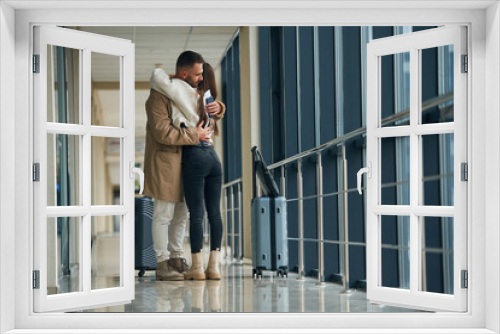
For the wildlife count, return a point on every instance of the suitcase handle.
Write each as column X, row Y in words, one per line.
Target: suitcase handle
column 259, row 168
column 254, row 177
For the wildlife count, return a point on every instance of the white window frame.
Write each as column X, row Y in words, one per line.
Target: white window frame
column 123, row 50
column 414, row 43
column 484, row 241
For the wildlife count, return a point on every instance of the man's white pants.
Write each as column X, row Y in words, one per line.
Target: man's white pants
column 169, row 228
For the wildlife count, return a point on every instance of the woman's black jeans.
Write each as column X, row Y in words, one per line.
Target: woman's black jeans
column 202, row 179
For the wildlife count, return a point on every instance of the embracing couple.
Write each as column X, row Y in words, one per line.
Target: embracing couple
column 182, row 170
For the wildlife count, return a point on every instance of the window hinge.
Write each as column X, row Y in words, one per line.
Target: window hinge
column 464, row 171
column 36, row 172
column 465, row 279
column 36, row 279
column 465, row 64
column 36, row 63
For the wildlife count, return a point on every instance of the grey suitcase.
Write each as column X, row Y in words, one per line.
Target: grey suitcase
column 269, row 225
column 269, row 235
column 145, row 255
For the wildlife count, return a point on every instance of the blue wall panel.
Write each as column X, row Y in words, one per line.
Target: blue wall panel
column 328, row 131
column 351, row 45
column 290, row 91
column 236, row 108
column 328, row 123
column 291, row 133
column 306, row 82
column 230, row 115
column 276, row 97
column 225, row 127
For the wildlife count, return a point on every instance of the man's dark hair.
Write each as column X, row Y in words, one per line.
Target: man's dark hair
column 187, row 59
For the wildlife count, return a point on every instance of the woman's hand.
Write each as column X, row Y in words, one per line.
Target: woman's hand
column 203, row 134
column 213, row 109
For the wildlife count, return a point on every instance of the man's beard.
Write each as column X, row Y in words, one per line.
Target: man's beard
column 193, row 84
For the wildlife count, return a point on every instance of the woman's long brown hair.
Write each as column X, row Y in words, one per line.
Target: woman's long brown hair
column 207, row 83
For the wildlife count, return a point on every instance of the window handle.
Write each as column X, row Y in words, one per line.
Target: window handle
column 134, row 170
column 368, row 171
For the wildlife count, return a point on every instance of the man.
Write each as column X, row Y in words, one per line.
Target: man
column 162, row 169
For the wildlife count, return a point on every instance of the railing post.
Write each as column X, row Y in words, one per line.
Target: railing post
column 282, row 180
column 240, row 225
column 346, row 224
column 321, row 257
column 300, row 207
column 232, row 221
column 225, row 220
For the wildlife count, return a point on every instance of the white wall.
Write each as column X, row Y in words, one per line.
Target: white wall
column 492, row 150
column 250, row 121
column 7, row 171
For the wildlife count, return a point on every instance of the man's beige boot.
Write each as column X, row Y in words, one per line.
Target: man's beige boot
column 213, row 271
column 196, row 271
column 165, row 272
column 179, row 263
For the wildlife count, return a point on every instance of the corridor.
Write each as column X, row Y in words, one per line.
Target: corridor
column 238, row 291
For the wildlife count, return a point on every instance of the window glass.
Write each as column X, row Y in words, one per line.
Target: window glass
column 63, row 255
column 63, row 85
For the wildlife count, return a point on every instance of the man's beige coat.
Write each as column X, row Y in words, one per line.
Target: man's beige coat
column 162, row 158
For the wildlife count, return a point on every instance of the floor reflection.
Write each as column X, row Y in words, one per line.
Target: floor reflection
column 238, row 291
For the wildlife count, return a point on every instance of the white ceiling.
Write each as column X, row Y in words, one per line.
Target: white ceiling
column 160, row 45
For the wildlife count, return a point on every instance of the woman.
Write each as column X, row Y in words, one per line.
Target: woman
column 202, row 180
column 201, row 168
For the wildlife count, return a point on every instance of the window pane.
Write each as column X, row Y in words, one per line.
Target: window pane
column 438, row 170
column 106, row 171
column 395, row 251
column 395, row 89
column 63, row 255
column 395, row 170
column 437, row 254
column 437, row 84
column 106, row 245
column 106, row 101
column 63, row 85
column 63, row 170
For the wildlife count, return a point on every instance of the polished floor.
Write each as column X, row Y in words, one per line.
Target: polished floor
column 239, row 291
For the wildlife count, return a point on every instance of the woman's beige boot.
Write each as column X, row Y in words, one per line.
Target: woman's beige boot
column 213, row 271
column 196, row 271
column 213, row 288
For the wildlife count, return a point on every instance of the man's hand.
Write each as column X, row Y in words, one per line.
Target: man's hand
column 213, row 109
column 203, row 134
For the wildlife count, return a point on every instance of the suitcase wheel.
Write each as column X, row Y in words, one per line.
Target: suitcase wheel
column 257, row 272
column 282, row 272
column 141, row 272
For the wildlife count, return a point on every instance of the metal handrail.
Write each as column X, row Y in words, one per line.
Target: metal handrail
column 232, row 183
column 439, row 100
column 239, row 184
column 353, row 134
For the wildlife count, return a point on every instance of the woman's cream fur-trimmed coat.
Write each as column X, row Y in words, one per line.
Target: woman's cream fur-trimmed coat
column 184, row 98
